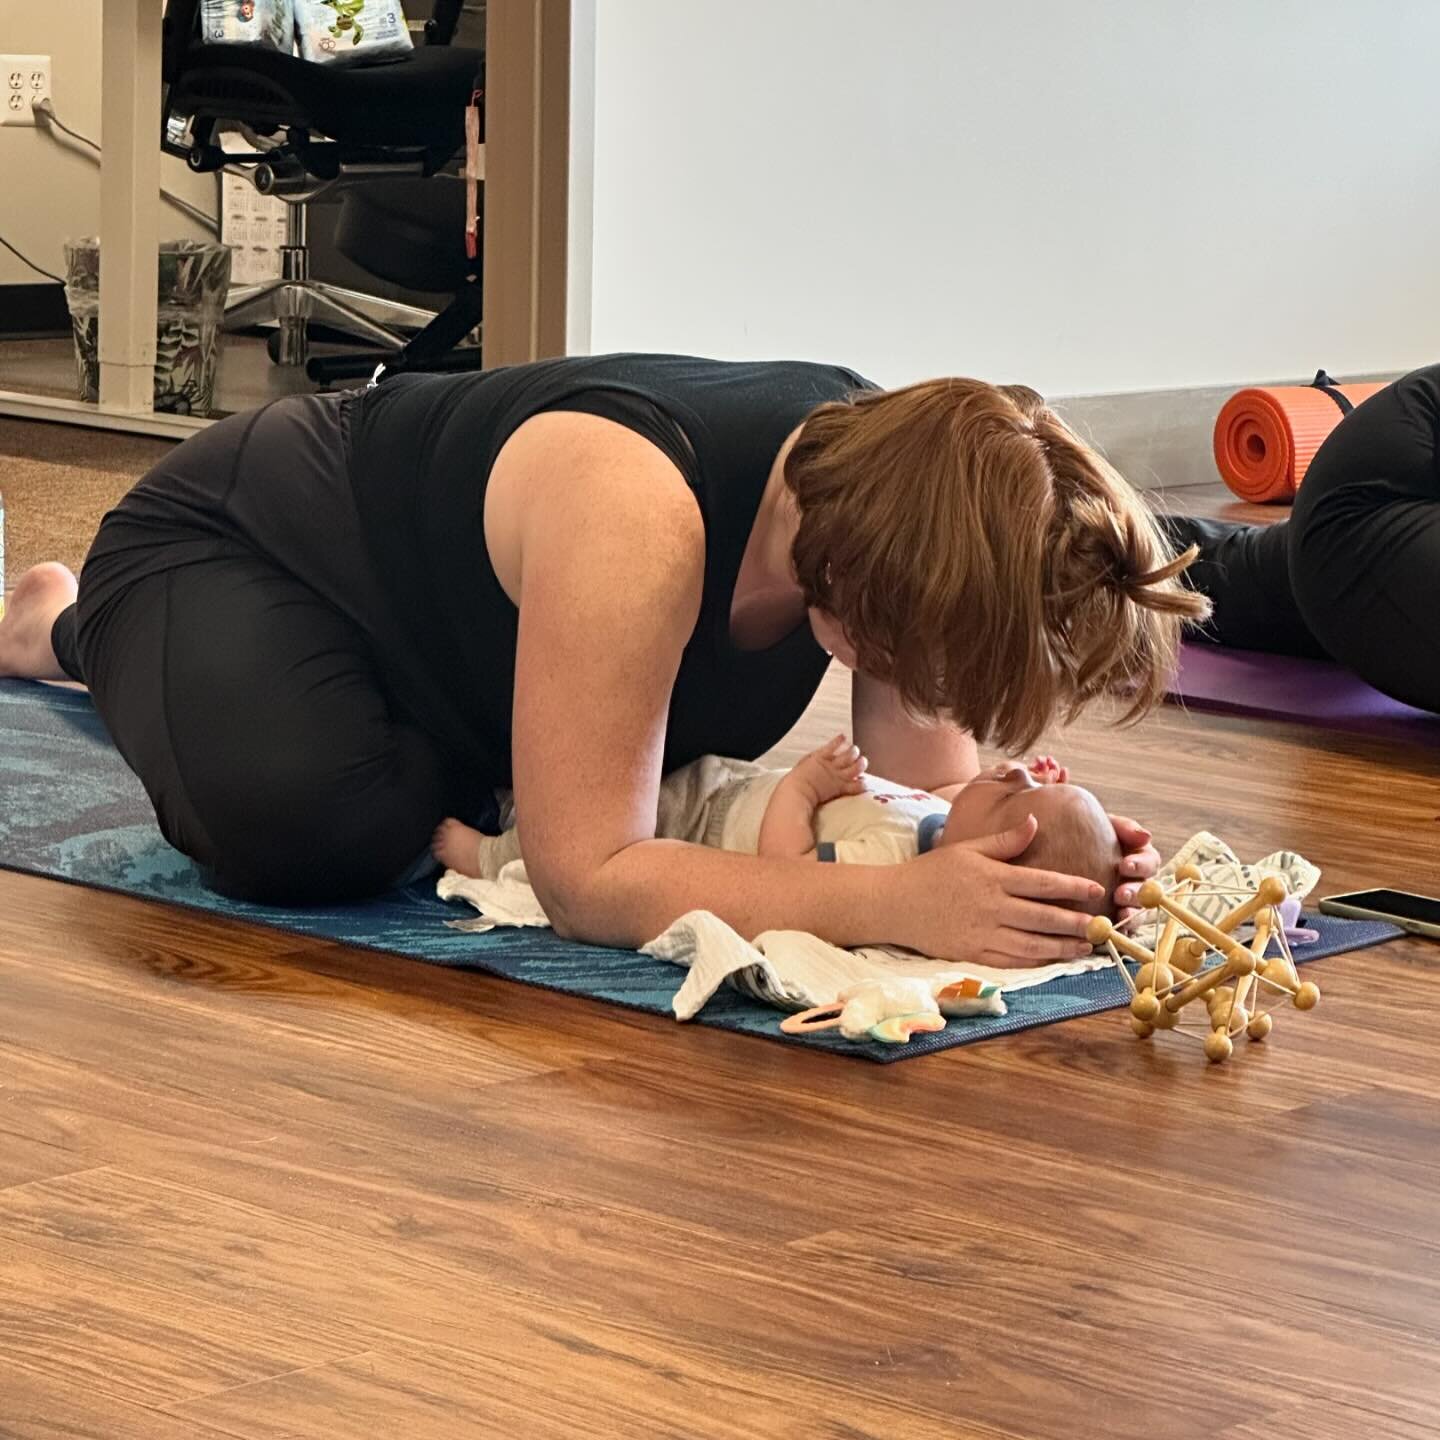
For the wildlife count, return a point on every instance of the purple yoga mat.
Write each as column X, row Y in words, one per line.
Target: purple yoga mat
column 1307, row 692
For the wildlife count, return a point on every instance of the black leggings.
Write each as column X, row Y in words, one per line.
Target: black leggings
column 259, row 709
column 1354, row 574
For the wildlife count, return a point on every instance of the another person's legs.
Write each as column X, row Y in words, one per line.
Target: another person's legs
column 1245, row 571
column 1364, row 541
column 1354, row 573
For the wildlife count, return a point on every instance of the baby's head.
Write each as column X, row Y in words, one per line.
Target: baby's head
column 1075, row 836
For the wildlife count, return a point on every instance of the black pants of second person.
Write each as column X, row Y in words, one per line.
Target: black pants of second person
column 1354, row 573
column 234, row 642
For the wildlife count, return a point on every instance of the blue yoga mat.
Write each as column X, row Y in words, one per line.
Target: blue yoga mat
column 71, row 809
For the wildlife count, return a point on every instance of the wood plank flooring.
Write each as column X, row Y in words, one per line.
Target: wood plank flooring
column 251, row 1187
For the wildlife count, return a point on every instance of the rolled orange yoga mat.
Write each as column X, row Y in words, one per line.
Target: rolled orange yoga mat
column 1266, row 437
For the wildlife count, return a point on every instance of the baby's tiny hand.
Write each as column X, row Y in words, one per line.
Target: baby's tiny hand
column 834, row 770
column 1048, row 771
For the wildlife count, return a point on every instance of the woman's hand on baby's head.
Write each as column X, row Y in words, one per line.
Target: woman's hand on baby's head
column 1141, row 861
column 994, row 912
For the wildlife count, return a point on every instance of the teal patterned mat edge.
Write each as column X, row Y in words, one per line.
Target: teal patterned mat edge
column 71, row 809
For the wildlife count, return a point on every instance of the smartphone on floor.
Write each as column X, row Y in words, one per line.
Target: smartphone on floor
column 1420, row 914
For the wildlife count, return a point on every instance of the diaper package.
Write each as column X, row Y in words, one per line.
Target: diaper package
column 332, row 31
column 249, row 22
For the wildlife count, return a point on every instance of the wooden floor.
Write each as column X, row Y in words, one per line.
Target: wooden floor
column 254, row 1187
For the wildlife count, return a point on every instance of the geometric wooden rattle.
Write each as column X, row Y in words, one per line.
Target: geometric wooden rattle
column 1173, row 975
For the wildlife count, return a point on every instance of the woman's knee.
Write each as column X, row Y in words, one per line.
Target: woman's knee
column 292, row 831
column 306, row 851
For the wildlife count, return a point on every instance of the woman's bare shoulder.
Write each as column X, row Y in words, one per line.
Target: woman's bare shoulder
column 562, row 470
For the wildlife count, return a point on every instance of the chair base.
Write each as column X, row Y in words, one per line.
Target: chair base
column 444, row 344
column 296, row 303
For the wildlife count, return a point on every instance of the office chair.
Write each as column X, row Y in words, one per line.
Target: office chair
column 316, row 129
column 411, row 232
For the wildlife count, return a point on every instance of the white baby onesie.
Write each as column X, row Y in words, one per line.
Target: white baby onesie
column 881, row 827
column 721, row 803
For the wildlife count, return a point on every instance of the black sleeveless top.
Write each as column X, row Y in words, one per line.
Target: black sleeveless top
column 421, row 452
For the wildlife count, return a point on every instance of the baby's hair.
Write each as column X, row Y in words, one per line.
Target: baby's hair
column 983, row 560
column 1076, row 837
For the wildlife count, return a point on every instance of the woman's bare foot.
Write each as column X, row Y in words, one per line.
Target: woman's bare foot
column 30, row 613
column 457, row 847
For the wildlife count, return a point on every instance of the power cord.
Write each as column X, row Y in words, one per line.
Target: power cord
column 26, row 260
column 46, row 108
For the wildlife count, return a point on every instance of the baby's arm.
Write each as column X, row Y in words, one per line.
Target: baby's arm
column 788, row 828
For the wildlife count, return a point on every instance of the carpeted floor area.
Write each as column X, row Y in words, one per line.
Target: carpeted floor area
column 58, row 480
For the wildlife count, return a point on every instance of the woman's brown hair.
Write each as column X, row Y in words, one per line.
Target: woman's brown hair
column 984, row 560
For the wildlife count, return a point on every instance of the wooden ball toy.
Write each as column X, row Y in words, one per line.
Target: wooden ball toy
column 1190, row 873
column 1233, row 986
column 1218, row 1047
column 1101, row 931
column 1234, row 1022
column 1145, row 1007
column 1226, row 1013
column 1187, row 953
column 1150, row 894
column 1279, row 971
column 1221, row 996
column 1155, row 976
column 1272, row 890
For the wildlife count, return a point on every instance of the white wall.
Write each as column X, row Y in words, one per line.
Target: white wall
column 49, row 190
column 1088, row 195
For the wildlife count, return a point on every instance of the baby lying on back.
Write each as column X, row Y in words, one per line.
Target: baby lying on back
column 828, row 809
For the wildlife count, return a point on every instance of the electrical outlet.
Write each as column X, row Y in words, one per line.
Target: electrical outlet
column 26, row 81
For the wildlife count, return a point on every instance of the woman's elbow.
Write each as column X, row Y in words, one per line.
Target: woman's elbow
column 572, row 902
column 597, row 898
column 568, row 923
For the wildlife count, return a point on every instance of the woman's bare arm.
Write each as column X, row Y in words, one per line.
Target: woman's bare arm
column 611, row 555
column 604, row 545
